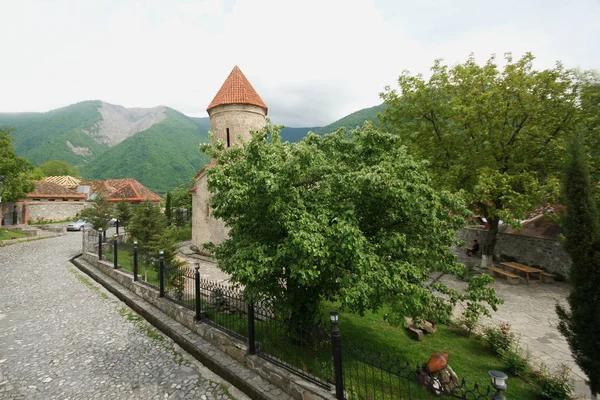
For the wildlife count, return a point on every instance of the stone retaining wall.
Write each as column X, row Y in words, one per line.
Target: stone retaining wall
column 288, row 382
column 547, row 253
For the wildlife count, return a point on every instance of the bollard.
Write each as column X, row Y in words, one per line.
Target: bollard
column 197, row 292
column 115, row 253
column 336, row 342
column 161, row 273
column 135, row 261
column 251, row 335
column 99, row 244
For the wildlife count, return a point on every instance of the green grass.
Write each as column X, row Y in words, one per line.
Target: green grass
column 125, row 259
column 50, row 222
column 7, row 234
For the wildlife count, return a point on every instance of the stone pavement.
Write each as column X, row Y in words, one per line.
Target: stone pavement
column 64, row 337
column 530, row 311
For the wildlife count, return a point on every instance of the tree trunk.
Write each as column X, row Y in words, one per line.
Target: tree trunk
column 487, row 255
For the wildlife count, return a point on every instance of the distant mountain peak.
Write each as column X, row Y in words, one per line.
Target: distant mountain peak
column 118, row 123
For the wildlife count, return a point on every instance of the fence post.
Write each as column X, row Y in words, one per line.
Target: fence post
column 117, row 226
column 104, row 236
column 115, row 253
column 161, row 273
column 336, row 342
column 135, row 261
column 251, row 335
column 99, row 244
column 197, row 292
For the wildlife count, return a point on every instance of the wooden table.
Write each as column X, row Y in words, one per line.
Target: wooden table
column 523, row 268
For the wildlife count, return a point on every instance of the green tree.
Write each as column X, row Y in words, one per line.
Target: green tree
column 147, row 221
column 496, row 134
column 123, row 214
column 181, row 201
column 99, row 214
column 17, row 171
column 58, row 168
column 352, row 218
column 581, row 324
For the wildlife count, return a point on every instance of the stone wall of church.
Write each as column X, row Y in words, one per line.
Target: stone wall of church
column 205, row 228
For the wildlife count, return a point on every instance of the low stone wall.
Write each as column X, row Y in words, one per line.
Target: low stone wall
column 54, row 210
column 547, row 253
column 292, row 384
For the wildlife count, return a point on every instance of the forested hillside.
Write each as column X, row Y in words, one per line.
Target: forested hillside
column 41, row 137
column 350, row 121
column 160, row 158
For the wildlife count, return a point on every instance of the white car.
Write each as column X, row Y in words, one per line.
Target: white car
column 78, row 225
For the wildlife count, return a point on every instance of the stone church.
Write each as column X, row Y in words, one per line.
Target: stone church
column 235, row 111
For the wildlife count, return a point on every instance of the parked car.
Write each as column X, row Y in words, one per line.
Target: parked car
column 78, row 225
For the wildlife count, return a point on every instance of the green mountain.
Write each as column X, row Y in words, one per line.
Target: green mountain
column 350, row 121
column 66, row 133
column 161, row 157
column 157, row 146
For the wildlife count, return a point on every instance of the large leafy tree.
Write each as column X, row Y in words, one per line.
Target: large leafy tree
column 351, row 218
column 17, row 171
column 494, row 133
column 58, row 168
column 581, row 324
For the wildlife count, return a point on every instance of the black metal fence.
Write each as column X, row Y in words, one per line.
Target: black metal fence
column 314, row 351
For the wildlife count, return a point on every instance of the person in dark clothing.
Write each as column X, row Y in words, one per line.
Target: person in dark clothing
column 473, row 249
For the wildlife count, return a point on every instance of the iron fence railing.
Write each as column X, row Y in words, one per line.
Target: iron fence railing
column 314, row 351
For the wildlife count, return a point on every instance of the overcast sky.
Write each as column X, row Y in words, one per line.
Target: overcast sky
column 312, row 61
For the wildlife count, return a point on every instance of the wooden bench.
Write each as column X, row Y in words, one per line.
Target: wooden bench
column 548, row 277
column 512, row 279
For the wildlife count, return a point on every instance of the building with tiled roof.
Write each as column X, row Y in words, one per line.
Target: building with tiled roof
column 64, row 180
column 116, row 190
column 236, row 110
column 47, row 202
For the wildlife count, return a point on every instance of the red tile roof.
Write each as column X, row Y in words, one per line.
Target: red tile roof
column 49, row 189
column 122, row 190
column 237, row 90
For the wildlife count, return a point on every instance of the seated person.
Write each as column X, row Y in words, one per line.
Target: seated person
column 473, row 249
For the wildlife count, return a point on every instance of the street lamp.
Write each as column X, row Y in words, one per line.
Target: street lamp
column 498, row 383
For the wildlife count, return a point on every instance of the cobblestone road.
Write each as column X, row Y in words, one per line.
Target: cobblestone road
column 64, row 337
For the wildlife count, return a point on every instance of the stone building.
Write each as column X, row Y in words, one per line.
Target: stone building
column 235, row 111
column 47, row 202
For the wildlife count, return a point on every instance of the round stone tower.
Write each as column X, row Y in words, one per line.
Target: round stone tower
column 236, row 110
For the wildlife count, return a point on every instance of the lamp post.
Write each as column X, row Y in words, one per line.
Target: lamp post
column 336, row 342
column 498, row 383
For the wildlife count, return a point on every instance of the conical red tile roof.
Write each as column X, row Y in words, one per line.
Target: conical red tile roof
column 237, row 90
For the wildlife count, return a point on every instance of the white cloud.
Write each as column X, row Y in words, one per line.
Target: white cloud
column 312, row 61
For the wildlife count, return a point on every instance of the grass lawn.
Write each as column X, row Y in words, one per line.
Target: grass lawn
column 125, row 255
column 469, row 357
column 7, row 234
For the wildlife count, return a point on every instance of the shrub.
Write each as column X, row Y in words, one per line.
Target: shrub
column 557, row 385
column 500, row 339
column 514, row 362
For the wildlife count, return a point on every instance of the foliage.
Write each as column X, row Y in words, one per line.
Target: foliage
column 349, row 122
column 58, row 168
column 589, row 95
column 500, row 339
column 99, row 214
column 181, row 201
column 557, row 385
column 581, row 324
column 161, row 157
column 44, row 136
column 15, row 170
column 146, row 222
column 495, row 134
column 123, row 213
column 168, row 209
column 184, row 233
column 348, row 217
column 514, row 362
